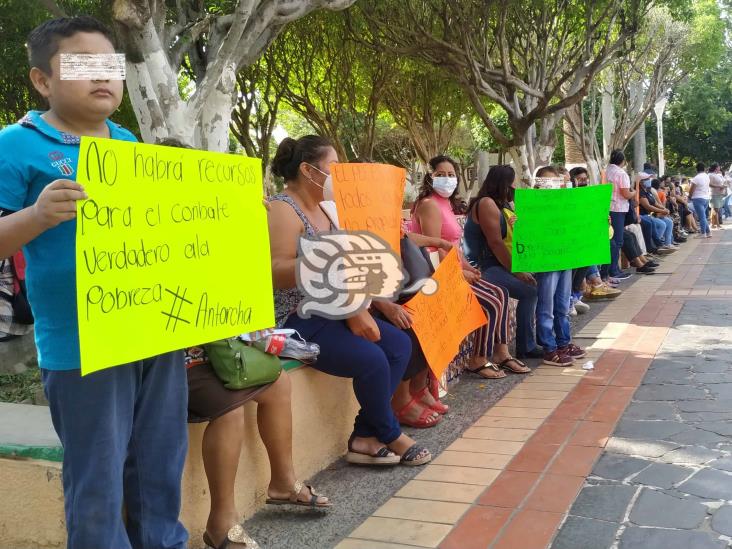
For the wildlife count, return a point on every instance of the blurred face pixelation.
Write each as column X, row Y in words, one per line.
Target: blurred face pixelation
column 82, row 99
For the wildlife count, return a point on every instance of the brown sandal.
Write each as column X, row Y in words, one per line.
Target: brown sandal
column 499, row 374
column 237, row 535
column 294, row 498
column 522, row 368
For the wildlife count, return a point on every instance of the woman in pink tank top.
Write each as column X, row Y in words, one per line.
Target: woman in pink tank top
column 434, row 215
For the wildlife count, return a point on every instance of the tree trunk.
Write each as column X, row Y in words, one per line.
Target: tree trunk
column 572, row 151
column 520, row 158
column 213, row 129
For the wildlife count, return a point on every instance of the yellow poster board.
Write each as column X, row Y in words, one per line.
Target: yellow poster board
column 172, row 250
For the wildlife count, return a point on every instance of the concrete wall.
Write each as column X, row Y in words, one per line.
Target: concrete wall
column 31, row 494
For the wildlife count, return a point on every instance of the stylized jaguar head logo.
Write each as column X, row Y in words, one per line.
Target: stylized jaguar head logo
column 340, row 272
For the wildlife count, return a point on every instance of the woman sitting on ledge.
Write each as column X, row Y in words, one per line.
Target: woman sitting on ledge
column 209, row 400
column 371, row 352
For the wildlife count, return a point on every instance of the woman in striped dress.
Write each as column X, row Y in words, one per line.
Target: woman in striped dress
column 434, row 215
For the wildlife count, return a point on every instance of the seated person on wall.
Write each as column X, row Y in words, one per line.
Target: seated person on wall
column 675, row 208
column 372, row 352
column 652, row 211
column 434, row 215
column 680, row 205
column 487, row 242
column 223, row 409
column 413, row 402
column 634, row 247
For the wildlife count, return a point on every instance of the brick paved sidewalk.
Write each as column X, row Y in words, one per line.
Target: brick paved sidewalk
column 510, row 480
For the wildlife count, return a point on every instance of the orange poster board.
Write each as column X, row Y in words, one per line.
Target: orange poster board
column 369, row 197
column 442, row 320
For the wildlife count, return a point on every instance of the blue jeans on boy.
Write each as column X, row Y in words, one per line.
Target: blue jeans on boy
column 552, row 309
column 700, row 209
column 125, row 439
column 725, row 208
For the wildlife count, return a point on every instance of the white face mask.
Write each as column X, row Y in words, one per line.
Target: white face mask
column 444, row 186
column 318, row 184
column 328, row 188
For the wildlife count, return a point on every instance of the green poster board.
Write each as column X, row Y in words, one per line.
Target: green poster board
column 558, row 229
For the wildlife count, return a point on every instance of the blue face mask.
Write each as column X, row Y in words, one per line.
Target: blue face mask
column 647, row 183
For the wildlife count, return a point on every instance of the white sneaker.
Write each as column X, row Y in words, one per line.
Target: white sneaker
column 572, row 311
column 581, row 307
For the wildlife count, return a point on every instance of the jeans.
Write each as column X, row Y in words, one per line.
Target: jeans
column 125, row 438
column 700, row 209
column 725, row 208
column 376, row 368
column 617, row 220
column 663, row 229
column 526, row 296
column 631, row 249
column 647, row 229
column 578, row 278
column 552, row 309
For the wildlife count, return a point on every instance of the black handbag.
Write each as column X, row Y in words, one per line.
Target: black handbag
column 416, row 265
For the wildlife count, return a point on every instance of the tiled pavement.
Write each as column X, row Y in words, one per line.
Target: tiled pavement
column 509, row 481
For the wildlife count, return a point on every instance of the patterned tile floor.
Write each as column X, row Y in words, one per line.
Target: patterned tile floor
column 509, row 481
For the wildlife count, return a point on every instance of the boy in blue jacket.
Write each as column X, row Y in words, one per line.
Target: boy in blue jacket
column 123, row 429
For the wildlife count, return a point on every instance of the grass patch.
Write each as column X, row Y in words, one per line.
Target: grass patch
column 20, row 387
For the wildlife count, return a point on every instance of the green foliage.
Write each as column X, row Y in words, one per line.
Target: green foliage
column 20, row 387
column 698, row 124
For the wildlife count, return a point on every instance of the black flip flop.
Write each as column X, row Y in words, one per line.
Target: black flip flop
column 487, row 366
column 505, row 366
column 410, row 458
column 383, row 456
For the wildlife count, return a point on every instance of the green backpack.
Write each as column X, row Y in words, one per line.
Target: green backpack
column 241, row 366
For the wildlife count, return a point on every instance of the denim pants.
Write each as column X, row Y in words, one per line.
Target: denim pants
column 552, row 309
column 526, row 296
column 578, row 278
column 725, row 208
column 125, row 438
column 700, row 209
column 617, row 220
column 647, row 230
column 376, row 368
column 663, row 229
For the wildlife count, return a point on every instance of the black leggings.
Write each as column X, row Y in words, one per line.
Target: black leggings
column 631, row 249
column 578, row 277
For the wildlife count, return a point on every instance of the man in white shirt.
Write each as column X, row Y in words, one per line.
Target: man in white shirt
column 727, row 181
column 700, row 194
column 719, row 191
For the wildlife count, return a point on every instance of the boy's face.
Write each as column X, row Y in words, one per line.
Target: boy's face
column 79, row 99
